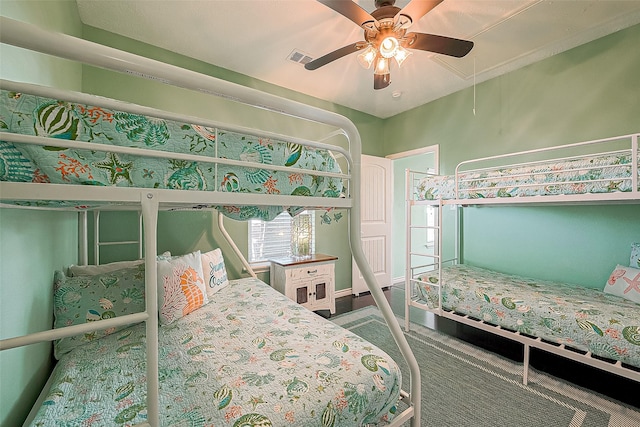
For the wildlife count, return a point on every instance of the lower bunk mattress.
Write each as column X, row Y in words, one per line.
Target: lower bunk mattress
column 250, row 357
column 581, row 318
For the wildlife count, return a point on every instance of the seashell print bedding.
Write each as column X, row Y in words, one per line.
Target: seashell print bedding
column 28, row 114
column 592, row 174
column 582, row 318
column 249, row 357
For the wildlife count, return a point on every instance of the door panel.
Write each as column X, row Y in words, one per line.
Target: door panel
column 321, row 291
column 376, row 207
column 302, row 295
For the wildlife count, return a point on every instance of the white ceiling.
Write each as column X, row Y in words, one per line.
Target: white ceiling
column 257, row 37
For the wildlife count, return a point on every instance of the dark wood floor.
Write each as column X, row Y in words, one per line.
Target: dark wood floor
column 613, row 386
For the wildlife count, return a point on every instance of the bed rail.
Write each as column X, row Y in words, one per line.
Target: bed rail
column 541, row 176
column 64, row 46
column 174, row 117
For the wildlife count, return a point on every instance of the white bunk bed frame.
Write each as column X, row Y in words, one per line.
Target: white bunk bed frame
column 150, row 201
column 434, row 261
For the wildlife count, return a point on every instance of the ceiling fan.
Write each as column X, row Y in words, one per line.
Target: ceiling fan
column 386, row 37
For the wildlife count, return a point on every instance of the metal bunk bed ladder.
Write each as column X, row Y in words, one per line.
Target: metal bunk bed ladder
column 97, row 243
column 432, row 258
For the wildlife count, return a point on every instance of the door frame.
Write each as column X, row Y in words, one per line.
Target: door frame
column 435, row 149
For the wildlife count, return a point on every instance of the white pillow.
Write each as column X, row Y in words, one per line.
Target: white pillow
column 624, row 282
column 181, row 287
column 93, row 270
column 215, row 273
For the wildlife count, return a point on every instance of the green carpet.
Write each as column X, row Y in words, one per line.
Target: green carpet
column 463, row 385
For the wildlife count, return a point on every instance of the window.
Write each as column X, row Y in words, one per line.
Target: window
column 272, row 239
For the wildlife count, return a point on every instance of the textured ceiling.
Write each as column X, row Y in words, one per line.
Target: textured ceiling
column 257, row 37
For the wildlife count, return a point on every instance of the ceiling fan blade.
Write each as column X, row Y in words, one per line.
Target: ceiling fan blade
column 332, row 56
column 416, row 9
column 438, row 44
column 350, row 10
column 380, row 81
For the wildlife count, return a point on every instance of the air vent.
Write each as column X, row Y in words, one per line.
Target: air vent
column 299, row 57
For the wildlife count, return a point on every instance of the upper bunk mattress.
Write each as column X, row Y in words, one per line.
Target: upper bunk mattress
column 34, row 115
column 249, row 357
column 582, row 318
column 592, row 174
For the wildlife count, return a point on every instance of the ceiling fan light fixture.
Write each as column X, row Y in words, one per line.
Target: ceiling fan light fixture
column 367, row 56
column 382, row 66
column 401, row 55
column 389, row 46
column 386, row 37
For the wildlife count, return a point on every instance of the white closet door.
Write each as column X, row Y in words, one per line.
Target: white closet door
column 376, row 208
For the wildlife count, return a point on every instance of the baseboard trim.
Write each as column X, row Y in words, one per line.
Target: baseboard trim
column 343, row 293
column 397, row 280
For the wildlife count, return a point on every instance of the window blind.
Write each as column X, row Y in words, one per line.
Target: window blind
column 272, row 239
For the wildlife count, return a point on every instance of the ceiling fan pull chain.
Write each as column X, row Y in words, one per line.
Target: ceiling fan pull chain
column 474, row 85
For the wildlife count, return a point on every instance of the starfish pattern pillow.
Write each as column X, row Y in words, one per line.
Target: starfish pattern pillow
column 624, row 282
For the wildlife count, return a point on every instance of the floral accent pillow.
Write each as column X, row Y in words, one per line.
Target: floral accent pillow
column 181, row 287
column 215, row 273
column 84, row 299
column 624, row 282
column 634, row 261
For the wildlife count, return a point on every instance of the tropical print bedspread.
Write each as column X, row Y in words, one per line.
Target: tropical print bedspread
column 251, row 357
column 33, row 115
column 582, row 318
column 592, row 174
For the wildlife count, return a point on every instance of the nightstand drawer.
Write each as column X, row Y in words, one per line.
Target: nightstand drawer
column 310, row 271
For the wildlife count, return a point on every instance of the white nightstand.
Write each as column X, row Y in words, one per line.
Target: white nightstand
column 309, row 281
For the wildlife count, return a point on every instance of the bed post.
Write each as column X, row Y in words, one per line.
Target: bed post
column 439, row 249
column 634, row 163
column 525, row 373
column 371, row 281
column 150, row 218
column 83, row 239
column 407, row 268
column 96, row 237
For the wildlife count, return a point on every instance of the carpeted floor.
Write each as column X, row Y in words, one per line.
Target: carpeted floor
column 463, row 385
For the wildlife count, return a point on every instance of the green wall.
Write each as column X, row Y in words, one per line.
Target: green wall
column 589, row 92
column 574, row 244
column 585, row 93
column 32, row 243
